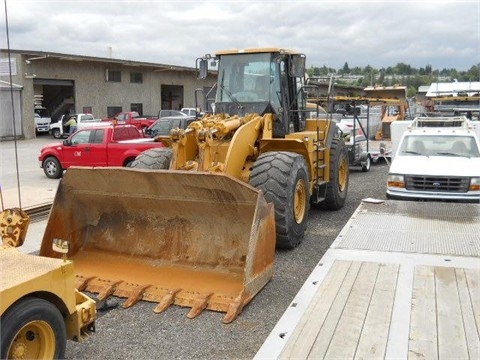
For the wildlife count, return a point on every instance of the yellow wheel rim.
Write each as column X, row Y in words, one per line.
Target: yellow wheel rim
column 299, row 201
column 343, row 174
column 36, row 340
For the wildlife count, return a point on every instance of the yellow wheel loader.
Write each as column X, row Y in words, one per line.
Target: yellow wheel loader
column 196, row 223
column 39, row 308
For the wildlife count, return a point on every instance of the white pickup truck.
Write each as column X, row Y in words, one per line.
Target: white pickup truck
column 435, row 158
column 58, row 130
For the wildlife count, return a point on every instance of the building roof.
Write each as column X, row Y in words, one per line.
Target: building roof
column 454, row 89
column 32, row 55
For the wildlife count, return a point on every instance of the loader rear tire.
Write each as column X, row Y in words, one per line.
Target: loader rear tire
column 156, row 159
column 283, row 179
column 33, row 329
column 338, row 186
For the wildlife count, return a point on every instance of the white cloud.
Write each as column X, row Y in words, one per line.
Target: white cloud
column 443, row 34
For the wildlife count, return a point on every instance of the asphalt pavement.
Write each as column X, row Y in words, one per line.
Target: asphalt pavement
column 138, row 332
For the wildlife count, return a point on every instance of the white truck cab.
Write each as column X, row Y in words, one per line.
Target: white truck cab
column 435, row 158
column 83, row 120
column 42, row 119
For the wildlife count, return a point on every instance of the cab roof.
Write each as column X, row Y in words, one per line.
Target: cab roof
column 256, row 50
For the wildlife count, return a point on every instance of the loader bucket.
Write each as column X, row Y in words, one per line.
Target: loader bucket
column 199, row 240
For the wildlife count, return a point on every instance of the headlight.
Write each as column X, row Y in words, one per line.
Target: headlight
column 474, row 183
column 395, row 180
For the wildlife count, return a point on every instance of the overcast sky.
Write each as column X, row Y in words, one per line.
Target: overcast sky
column 444, row 34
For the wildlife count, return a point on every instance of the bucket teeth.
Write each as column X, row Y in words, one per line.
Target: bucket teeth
column 199, row 305
column 234, row 309
column 134, row 295
column 104, row 288
column 81, row 282
column 166, row 301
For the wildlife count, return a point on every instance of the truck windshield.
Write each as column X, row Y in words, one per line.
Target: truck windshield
column 434, row 145
column 43, row 112
column 248, row 77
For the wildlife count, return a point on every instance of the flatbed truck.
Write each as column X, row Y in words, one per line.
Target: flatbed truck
column 400, row 281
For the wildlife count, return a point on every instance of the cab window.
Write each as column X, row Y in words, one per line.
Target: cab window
column 81, row 137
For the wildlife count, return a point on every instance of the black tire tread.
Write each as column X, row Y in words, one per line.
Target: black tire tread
column 156, row 159
column 30, row 309
column 335, row 199
column 272, row 173
column 59, row 172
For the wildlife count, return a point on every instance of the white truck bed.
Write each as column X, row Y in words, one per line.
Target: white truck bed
column 400, row 281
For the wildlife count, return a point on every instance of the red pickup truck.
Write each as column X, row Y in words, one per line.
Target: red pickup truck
column 133, row 118
column 96, row 146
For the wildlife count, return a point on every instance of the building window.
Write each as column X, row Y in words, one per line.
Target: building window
column 114, row 76
column 136, row 78
column 87, row 109
column 113, row 110
column 137, row 107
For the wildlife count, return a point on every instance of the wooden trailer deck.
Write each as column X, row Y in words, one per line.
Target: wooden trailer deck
column 400, row 281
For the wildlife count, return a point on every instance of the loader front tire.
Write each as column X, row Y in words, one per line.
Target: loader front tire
column 33, row 329
column 156, row 159
column 338, row 186
column 283, row 179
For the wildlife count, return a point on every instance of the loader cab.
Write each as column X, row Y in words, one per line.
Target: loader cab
column 262, row 82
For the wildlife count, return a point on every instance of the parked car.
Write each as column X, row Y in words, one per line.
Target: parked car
column 162, row 126
column 95, row 146
column 167, row 112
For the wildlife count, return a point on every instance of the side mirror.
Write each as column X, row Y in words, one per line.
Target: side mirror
column 202, row 68
column 67, row 142
column 297, row 65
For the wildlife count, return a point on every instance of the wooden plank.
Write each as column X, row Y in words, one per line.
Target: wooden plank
column 423, row 318
column 374, row 336
column 351, row 320
column 469, row 294
column 452, row 343
column 329, row 326
column 305, row 333
column 473, row 281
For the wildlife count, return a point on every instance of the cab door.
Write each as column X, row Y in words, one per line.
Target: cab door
column 87, row 148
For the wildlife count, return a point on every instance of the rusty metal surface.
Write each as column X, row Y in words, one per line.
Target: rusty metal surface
column 13, row 227
column 194, row 239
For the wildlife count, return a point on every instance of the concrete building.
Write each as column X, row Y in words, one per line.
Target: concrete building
column 82, row 84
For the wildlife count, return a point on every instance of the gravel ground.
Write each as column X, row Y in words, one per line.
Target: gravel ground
column 141, row 334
